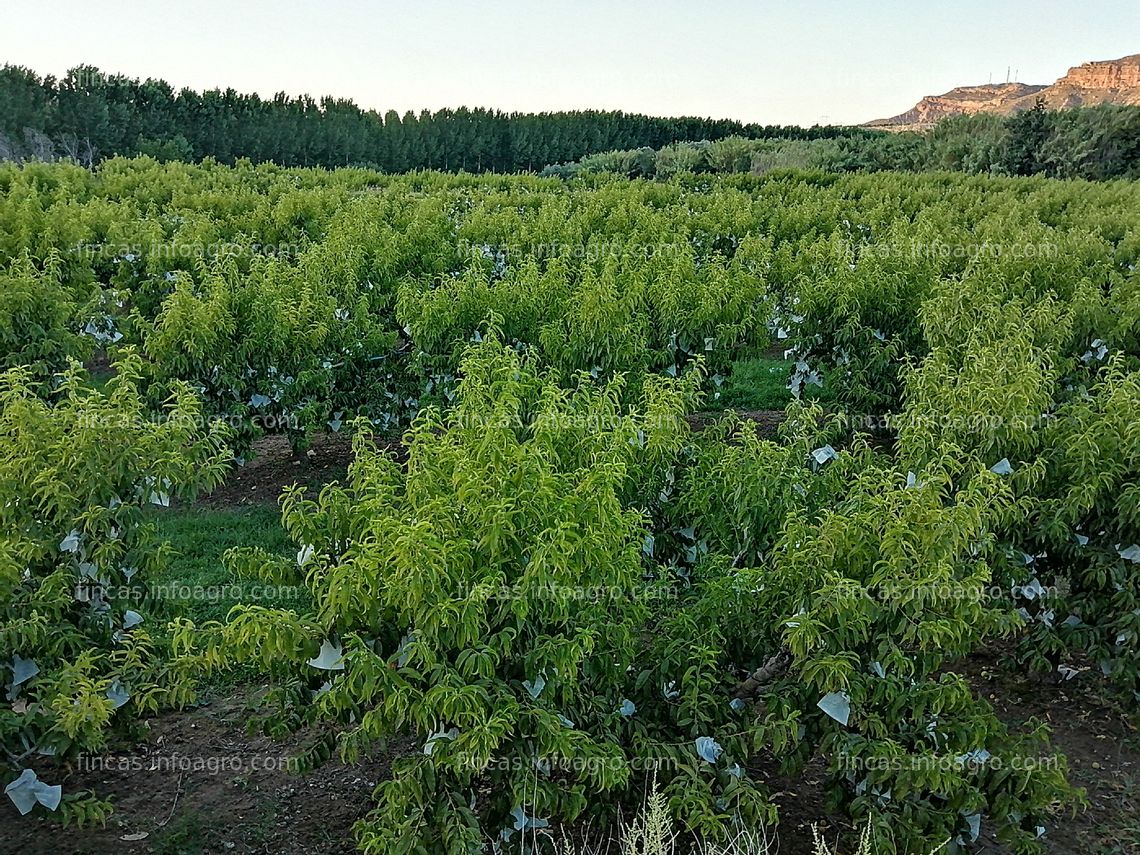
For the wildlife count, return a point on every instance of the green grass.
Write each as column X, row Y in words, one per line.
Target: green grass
column 99, row 380
column 756, row 384
column 195, row 583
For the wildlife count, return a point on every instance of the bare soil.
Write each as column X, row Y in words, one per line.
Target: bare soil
column 273, row 465
column 199, row 784
column 249, row 803
column 766, row 423
column 1100, row 740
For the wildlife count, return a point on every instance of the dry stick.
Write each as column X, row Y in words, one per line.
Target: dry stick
column 776, row 665
column 19, row 758
column 177, row 793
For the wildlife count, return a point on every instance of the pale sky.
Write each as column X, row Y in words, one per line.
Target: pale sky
column 771, row 62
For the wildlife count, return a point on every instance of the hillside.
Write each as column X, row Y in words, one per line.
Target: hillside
column 1115, row 81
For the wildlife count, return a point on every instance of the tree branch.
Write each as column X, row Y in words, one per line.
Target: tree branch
column 776, row 665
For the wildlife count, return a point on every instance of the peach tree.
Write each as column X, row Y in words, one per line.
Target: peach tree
column 841, row 590
column 489, row 600
column 77, row 654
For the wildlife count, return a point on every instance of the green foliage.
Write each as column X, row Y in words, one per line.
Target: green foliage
column 78, row 471
column 176, row 148
column 871, row 583
column 1026, row 134
column 1087, row 518
column 88, row 116
column 489, row 601
column 296, row 300
column 966, row 468
column 1096, row 143
column 274, row 349
column 38, row 316
column 1004, row 381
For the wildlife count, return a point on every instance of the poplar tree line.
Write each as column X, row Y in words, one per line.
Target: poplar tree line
column 88, row 116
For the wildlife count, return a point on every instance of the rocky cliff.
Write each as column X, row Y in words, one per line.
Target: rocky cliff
column 964, row 100
column 1113, row 74
column 1115, row 81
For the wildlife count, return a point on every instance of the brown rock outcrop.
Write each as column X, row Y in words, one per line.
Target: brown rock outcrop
column 1115, row 81
column 1121, row 73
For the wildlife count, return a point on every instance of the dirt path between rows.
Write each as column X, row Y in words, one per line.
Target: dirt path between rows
column 198, row 784
column 273, row 465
